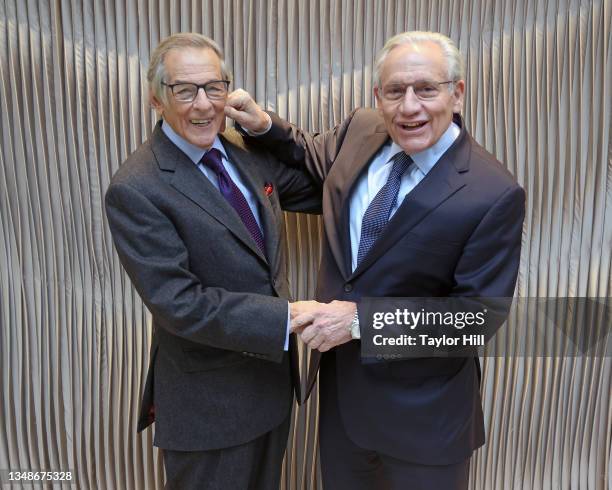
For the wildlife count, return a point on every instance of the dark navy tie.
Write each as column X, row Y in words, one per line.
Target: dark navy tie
column 377, row 215
column 231, row 192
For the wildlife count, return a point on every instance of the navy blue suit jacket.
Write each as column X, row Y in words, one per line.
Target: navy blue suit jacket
column 457, row 233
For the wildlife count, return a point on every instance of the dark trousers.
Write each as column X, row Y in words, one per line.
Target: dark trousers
column 346, row 466
column 255, row 465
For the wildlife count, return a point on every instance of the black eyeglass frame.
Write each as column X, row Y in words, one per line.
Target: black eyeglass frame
column 198, row 87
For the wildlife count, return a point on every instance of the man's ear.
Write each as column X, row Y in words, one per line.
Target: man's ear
column 458, row 96
column 377, row 96
column 157, row 104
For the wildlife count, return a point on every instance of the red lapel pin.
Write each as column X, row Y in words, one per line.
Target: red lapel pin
column 268, row 188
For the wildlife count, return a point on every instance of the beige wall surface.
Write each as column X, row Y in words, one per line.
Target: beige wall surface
column 74, row 334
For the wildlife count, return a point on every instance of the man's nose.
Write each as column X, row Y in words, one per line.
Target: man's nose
column 410, row 103
column 201, row 100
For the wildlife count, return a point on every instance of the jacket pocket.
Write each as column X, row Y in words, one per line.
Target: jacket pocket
column 209, row 358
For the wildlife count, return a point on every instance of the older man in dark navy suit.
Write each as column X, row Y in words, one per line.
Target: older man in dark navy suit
column 413, row 207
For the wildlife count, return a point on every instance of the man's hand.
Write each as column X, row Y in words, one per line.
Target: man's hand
column 324, row 326
column 244, row 110
column 302, row 314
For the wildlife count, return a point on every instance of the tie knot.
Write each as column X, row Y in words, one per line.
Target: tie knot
column 212, row 159
column 401, row 162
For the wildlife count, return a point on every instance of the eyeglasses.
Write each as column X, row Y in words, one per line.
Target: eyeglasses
column 187, row 92
column 424, row 90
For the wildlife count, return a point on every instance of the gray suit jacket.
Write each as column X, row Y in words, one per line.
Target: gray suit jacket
column 218, row 375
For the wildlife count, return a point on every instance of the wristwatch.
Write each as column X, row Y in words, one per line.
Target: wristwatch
column 354, row 328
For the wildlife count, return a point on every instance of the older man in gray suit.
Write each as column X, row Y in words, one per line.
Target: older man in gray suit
column 197, row 222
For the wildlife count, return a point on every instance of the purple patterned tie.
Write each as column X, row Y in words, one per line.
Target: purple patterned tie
column 231, row 192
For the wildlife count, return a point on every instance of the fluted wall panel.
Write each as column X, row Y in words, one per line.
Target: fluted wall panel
column 74, row 335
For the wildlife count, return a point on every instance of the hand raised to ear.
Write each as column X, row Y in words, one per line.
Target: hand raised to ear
column 241, row 107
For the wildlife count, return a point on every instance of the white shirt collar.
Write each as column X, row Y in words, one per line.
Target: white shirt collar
column 426, row 159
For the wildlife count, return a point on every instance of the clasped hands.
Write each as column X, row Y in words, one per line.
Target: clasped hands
column 322, row 325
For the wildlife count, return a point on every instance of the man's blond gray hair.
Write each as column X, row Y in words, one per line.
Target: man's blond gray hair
column 156, row 74
column 454, row 62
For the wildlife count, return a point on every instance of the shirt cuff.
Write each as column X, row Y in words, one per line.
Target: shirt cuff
column 260, row 133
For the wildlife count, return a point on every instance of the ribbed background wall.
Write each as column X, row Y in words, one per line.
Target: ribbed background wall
column 74, row 335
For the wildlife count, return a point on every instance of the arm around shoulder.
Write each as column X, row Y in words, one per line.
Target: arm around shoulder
column 316, row 152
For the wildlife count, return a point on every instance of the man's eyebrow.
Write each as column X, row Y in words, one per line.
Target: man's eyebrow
column 421, row 80
column 194, row 83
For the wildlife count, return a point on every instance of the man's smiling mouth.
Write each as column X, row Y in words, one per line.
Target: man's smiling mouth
column 412, row 126
column 200, row 122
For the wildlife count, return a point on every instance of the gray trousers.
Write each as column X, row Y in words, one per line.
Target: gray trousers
column 255, row 465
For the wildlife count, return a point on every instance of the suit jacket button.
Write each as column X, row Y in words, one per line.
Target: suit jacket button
column 348, row 287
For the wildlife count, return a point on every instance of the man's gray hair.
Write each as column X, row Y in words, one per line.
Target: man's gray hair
column 454, row 62
column 156, row 74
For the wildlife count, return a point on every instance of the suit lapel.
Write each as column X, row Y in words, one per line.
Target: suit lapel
column 437, row 186
column 342, row 181
column 186, row 178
